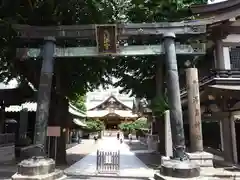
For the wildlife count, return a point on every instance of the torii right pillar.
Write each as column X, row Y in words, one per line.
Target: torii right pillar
column 178, row 166
column 196, row 155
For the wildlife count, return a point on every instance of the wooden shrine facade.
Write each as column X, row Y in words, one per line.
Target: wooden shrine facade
column 112, row 112
column 220, row 86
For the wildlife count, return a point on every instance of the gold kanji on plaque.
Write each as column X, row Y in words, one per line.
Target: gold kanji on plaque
column 106, row 37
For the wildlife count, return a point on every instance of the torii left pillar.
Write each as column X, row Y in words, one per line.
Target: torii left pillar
column 39, row 165
column 44, row 92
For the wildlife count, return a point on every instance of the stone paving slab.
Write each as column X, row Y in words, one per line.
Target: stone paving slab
column 7, row 154
column 220, row 172
column 78, row 152
column 101, row 178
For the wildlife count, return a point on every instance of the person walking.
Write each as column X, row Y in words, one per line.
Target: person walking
column 118, row 136
column 130, row 138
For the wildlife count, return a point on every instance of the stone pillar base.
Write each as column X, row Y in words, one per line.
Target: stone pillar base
column 57, row 175
column 179, row 169
column 164, row 159
column 152, row 144
column 38, row 168
column 202, row 159
column 159, row 176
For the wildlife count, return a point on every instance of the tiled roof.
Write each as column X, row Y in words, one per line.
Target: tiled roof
column 32, row 107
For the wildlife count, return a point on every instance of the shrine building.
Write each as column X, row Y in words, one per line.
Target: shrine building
column 110, row 107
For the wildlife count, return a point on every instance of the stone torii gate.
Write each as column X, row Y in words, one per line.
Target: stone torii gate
column 108, row 38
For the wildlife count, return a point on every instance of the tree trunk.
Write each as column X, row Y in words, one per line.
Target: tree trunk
column 2, row 119
column 58, row 117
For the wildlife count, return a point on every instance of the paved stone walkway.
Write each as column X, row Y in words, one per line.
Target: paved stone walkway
column 76, row 153
column 99, row 178
column 130, row 165
column 6, row 154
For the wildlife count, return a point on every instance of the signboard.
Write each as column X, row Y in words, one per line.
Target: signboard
column 106, row 37
column 54, row 131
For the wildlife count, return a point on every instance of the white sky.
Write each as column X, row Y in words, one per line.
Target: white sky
column 215, row 1
column 10, row 85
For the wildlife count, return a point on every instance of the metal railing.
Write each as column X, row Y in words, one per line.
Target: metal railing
column 8, row 138
column 108, row 162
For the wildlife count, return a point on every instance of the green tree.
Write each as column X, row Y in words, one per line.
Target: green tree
column 80, row 102
column 141, row 123
column 127, row 127
column 94, row 125
column 159, row 105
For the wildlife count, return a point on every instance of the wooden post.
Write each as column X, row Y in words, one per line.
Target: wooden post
column 168, row 134
column 194, row 111
column 23, row 123
column 2, row 118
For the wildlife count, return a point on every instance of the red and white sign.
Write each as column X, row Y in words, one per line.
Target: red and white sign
column 54, row 131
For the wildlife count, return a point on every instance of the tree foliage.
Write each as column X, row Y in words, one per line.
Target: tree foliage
column 80, row 103
column 126, row 127
column 140, row 123
column 159, row 105
column 79, row 75
column 94, row 125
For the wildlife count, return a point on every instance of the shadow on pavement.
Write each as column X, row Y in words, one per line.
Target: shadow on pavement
column 68, row 146
column 136, row 145
column 73, row 158
column 151, row 159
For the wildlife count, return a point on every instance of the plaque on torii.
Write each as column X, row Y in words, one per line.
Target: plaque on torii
column 106, row 38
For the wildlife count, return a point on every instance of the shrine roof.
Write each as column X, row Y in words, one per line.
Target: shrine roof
column 108, row 99
column 215, row 7
column 217, row 12
column 218, row 16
